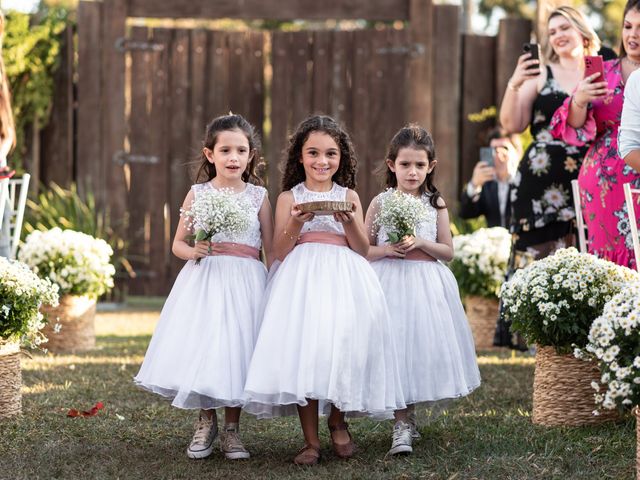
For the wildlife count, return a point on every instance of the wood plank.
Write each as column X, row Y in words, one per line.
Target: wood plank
column 162, row 210
column 237, row 80
column 321, row 78
column 361, row 118
column 138, row 192
column 179, row 130
column 512, row 33
column 341, row 65
column 57, row 162
column 280, row 112
column 446, row 100
column 89, row 139
column 219, row 76
column 112, row 186
column 420, row 97
column 478, row 93
column 299, row 55
column 255, row 86
column 273, row 9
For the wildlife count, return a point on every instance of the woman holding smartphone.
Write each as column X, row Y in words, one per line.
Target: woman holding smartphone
column 542, row 218
column 592, row 114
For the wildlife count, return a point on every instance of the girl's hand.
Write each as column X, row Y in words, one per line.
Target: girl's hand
column 588, row 90
column 201, row 249
column 393, row 251
column 343, row 217
column 406, row 244
column 521, row 74
column 300, row 217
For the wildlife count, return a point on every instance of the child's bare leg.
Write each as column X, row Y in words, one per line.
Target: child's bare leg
column 309, row 422
column 232, row 414
column 336, row 417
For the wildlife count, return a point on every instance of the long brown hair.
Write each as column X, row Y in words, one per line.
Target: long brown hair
column 416, row 137
column 7, row 125
column 293, row 172
column 207, row 170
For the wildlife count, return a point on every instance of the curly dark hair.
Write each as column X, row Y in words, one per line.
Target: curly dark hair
column 293, row 172
column 416, row 137
column 207, row 170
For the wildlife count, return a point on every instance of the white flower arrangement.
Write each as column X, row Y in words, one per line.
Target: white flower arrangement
column 78, row 263
column 553, row 301
column 399, row 214
column 21, row 294
column 614, row 341
column 480, row 261
column 217, row 211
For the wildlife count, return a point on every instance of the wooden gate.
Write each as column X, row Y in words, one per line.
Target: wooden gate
column 176, row 81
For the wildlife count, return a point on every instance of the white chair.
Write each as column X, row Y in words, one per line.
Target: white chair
column 633, row 225
column 582, row 238
column 13, row 192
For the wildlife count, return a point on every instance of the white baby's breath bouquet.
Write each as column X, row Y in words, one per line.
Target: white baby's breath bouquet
column 22, row 293
column 614, row 341
column 399, row 214
column 217, row 211
column 480, row 261
column 78, row 263
column 553, row 301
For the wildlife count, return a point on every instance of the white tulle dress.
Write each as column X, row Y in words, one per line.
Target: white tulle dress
column 325, row 332
column 434, row 344
column 202, row 345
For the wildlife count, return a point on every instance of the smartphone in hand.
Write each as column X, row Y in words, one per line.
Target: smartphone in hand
column 534, row 50
column 487, row 155
column 594, row 64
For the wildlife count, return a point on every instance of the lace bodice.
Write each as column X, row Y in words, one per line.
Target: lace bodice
column 320, row 223
column 427, row 229
column 254, row 195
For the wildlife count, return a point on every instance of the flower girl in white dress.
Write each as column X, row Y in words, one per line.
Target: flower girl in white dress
column 202, row 345
column 325, row 343
column 436, row 353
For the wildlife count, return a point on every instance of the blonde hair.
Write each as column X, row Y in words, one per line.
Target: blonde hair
column 7, row 126
column 580, row 23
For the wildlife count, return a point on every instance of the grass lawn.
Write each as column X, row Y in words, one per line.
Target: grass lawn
column 488, row 435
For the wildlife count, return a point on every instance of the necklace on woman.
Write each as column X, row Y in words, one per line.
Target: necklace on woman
column 631, row 62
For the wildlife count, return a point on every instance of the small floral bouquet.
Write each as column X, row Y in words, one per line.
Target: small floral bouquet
column 399, row 214
column 553, row 301
column 614, row 341
column 480, row 261
column 21, row 294
column 78, row 263
column 217, row 211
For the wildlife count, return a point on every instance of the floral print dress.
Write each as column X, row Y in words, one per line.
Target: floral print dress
column 603, row 172
column 541, row 195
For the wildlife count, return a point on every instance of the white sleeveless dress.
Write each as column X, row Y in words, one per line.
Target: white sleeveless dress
column 436, row 352
column 325, row 331
column 202, row 345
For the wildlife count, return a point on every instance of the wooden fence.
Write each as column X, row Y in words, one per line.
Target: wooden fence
column 144, row 95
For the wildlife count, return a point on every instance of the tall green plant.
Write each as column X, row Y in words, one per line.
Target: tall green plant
column 31, row 53
column 59, row 207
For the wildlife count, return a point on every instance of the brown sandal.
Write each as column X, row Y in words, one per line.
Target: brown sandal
column 342, row 450
column 307, row 455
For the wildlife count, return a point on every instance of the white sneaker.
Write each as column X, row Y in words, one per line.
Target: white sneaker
column 413, row 423
column 401, row 443
column 230, row 443
column 201, row 445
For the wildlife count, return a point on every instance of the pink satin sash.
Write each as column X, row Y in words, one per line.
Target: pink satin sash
column 323, row 237
column 234, row 250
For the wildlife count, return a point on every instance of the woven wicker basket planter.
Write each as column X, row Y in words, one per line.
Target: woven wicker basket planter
column 562, row 393
column 76, row 317
column 10, row 380
column 482, row 314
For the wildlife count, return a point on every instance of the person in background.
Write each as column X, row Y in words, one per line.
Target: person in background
column 7, row 142
column 487, row 193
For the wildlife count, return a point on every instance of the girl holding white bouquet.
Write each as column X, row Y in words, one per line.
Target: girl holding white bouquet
column 202, row 345
column 408, row 227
